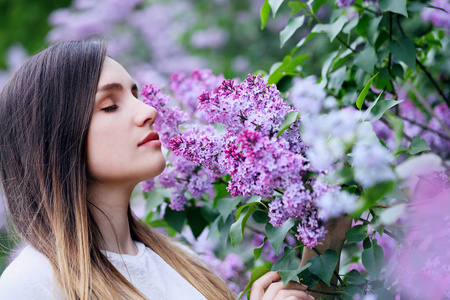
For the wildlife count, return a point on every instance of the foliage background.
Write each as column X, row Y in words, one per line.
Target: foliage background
column 402, row 42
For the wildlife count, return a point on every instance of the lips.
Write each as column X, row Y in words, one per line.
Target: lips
column 152, row 136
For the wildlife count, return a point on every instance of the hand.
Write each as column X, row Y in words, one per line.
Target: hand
column 268, row 287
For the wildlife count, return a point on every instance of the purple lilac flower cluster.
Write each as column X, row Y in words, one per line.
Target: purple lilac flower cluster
column 249, row 151
column 187, row 88
column 181, row 175
column 346, row 3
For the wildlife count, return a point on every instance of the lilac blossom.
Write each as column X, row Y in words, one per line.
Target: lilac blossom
column 148, row 185
column 169, row 117
column 329, row 136
column 187, row 88
column 335, row 203
column 424, row 263
column 309, row 96
column 438, row 17
column 311, row 230
column 372, row 163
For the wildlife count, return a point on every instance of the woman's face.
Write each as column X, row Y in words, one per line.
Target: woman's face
column 122, row 146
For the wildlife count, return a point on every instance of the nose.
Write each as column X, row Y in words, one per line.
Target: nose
column 145, row 114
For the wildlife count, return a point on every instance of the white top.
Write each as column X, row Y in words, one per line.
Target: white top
column 30, row 276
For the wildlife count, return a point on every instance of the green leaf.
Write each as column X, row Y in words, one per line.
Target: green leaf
column 306, row 38
column 290, row 118
column 418, row 145
column 354, row 278
column 326, row 65
column 196, row 220
column 331, row 29
column 362, row 96
column 296, row 6
column 256, row 273
column 372, row 30
column 357, row 233
column 265, row 10
column 276, row 235
column 372, row 195
column 285, row 260
column 275, row 5
column 404, row 50
column 291, row 27
column 397, row 70
column 366, row 59
column 237, row 228
column 395, row 6
column 323, row 265
column 257, row 250
column 337, row 78
column 276, row 75
column 155, row 198
column 175, row 219
column 363, row 24
column 372, row 259
column 367, row 243
column 226, row 205
column 381, row 107
column 288, row 275
column 350, row 291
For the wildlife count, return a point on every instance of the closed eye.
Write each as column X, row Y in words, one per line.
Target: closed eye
column 110, row 108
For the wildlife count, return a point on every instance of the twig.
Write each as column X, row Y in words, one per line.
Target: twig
column 424, row 127
column 387, row 232
column 324, row 293
column 433, row 81
column 320, row 22
column 427, row 106
column 424, row 69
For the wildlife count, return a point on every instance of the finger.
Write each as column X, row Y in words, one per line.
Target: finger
column 294, row 285
column 294, row 294
column 262, row 283
column 273, row 290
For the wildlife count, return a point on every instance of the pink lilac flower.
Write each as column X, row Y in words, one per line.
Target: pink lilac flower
column 311, row 230
column 148, row 185
column 344, row 3
column 438, row 17
column 187, row 88
column 424, row 263
column 372, row 163
column 169, row 117
column 409, row 111
column 310, row 97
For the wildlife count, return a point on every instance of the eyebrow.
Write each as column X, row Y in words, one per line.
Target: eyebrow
column 114, row 86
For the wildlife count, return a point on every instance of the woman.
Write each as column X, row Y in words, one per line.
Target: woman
column 74, row 142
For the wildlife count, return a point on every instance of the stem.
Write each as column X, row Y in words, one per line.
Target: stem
column 387, row 232
column 424, row 69
column 279, row 191
column 424, row 127
column 447, row 100
column 366, row 8
column 427, row 106
column 324, row 293
column 320, row 22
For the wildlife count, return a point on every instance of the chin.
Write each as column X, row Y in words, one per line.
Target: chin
column 157, row 167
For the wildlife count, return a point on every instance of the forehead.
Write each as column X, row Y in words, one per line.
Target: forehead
column 112, row 71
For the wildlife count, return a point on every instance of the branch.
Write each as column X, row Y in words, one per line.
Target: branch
column 433, row 81
column 424, row 127
column 447, row 100
column 387, row 232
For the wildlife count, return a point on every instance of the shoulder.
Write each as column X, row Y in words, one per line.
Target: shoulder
column 29, row 276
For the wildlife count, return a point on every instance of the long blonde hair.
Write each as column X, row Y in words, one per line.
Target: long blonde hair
column 45, row 111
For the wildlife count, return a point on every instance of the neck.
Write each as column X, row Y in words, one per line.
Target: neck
column 109, row 207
